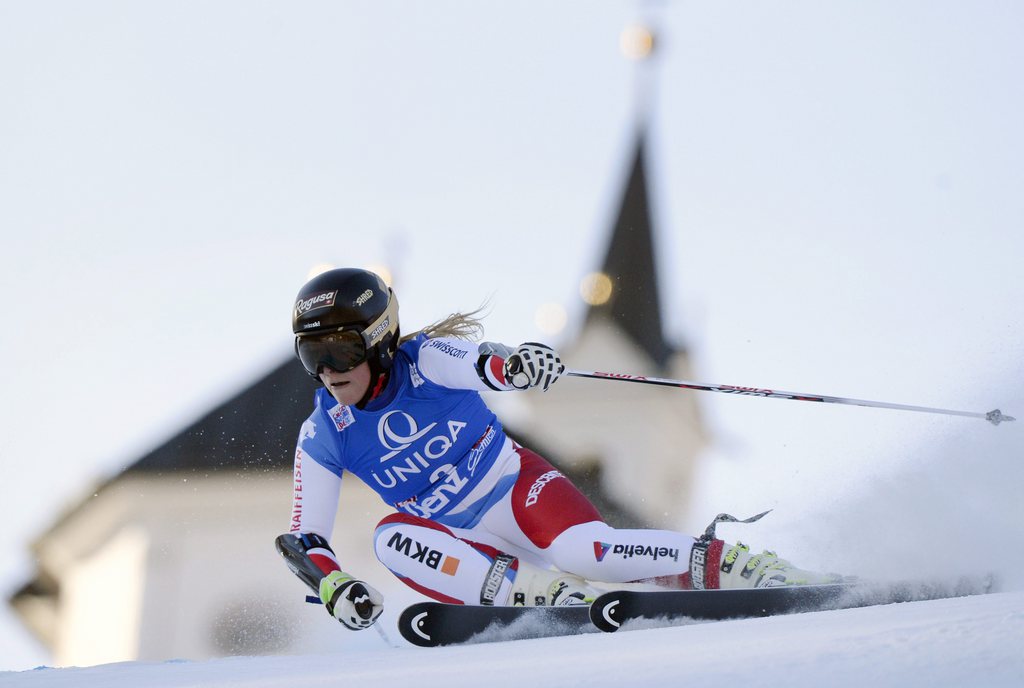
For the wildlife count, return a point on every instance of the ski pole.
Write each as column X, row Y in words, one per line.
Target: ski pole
column 995, row 416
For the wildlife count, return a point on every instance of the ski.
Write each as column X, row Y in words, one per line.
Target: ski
column 613, row 609
column 430, row 624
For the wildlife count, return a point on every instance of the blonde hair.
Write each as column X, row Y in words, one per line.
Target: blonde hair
column 459, row 325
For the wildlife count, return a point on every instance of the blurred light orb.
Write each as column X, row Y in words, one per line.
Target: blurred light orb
column 550, row 318
column 383, row 271
column 636, row 42
column 318, row 269
column 596, row 288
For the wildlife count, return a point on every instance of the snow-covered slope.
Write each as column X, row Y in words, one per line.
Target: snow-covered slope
column 976, row 641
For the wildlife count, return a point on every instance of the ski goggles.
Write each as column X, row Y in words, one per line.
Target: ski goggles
column 347, row 347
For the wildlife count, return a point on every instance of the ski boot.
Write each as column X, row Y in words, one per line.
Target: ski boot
column 716, row 565
column 537, row 587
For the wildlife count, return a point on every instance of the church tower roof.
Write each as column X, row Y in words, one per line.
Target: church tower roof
column 634, row 304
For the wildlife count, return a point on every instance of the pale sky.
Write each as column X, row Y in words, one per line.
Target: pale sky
column 837, row 192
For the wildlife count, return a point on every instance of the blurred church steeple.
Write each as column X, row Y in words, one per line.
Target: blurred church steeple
column 636, row 445
column 626, row 290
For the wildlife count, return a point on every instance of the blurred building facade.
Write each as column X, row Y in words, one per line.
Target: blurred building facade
column 175, row 557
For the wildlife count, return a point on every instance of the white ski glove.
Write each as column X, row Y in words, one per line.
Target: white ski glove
column 352, row 602
column 531, row 365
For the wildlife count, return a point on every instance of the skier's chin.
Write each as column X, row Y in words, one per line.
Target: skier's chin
column 346, row 393
column 349, row 387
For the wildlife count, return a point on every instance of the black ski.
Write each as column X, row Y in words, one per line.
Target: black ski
column 429, row 624
column 611, row 610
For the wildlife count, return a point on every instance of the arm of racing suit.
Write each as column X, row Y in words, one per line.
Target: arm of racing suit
column 305, row 548
column 315, row 492
column 460, row 364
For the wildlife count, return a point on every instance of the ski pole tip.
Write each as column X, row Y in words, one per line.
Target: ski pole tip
column 995, row 417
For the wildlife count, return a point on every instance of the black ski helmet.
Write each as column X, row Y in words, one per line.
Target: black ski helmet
column 343, row 317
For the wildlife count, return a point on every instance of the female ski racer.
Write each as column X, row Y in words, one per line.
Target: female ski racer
column 478, row 519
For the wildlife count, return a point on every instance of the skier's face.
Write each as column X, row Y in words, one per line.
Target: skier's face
column 348, row 387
